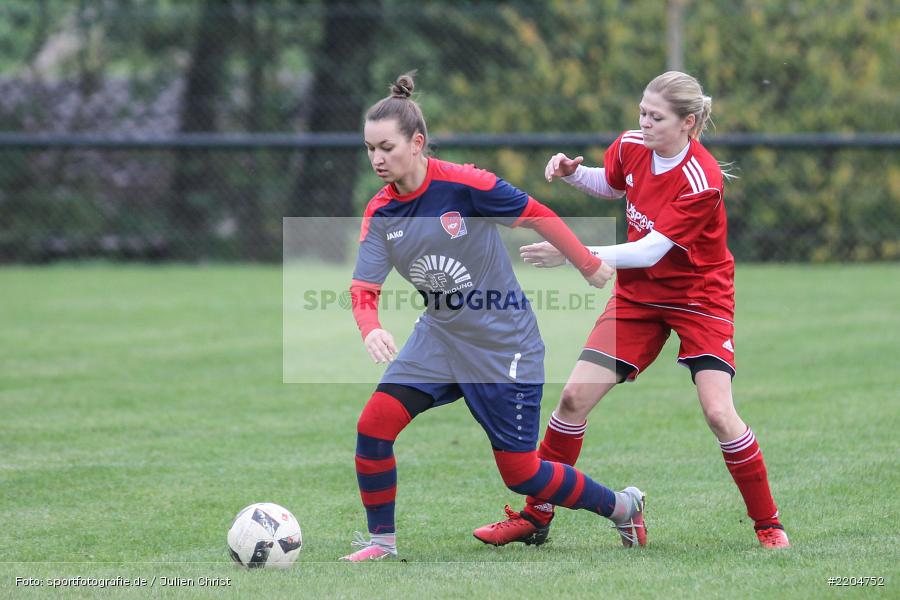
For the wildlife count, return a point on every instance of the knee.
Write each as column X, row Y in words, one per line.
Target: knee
column 383, row 417
column 721, row 417
column 714, row 391
column 368, row 420
column 575, row 403
column 718, row 417
column 517, row 469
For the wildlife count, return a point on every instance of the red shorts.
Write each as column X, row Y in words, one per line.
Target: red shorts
column 635, row 333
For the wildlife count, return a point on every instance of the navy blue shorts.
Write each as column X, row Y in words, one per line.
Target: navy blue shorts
column 502, row 386
column 510, row 414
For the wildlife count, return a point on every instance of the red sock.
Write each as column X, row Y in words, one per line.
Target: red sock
column 381, row 421
column 745, row 461
column 562, row 444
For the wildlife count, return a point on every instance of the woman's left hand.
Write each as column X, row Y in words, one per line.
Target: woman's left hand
column 542, row 254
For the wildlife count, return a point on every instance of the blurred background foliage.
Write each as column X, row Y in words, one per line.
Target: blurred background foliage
column 153, row 69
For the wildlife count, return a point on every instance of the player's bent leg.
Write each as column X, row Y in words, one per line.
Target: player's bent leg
column 558, row 484
column 714, row 392
column 562, row 443
column 742, row 455
column 522, row 526
column 588, row 383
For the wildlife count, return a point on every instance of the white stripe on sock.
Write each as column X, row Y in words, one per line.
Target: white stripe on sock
column 554, row 417
column 561, row 426
column 567, row 430
column 739, row 462
column 744, row 441
column 747, row 433
column 743, row 446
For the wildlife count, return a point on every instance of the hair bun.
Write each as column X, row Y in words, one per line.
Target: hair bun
column 404, row 86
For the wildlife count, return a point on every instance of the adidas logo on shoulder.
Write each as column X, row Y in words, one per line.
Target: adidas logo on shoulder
column 728, row 346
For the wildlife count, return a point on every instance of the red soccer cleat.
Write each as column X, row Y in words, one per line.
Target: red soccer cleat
column 633, row 531
column 517, row 527
column 772, row 537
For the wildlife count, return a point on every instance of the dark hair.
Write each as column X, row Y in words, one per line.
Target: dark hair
column 400, row 106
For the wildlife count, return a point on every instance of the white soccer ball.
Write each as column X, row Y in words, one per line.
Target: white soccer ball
column 265, row 535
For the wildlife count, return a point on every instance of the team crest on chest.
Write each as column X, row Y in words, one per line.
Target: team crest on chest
column 454, row 224
column 629, row 180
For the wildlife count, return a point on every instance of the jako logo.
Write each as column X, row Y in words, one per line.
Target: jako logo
column 393, row 235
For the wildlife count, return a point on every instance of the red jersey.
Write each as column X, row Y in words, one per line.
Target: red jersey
column 685, row 204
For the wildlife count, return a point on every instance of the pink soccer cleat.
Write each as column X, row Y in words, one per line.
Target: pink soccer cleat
column 633, row 531
column 369, row 550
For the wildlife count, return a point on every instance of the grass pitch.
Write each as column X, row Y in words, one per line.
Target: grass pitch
column 142, row 407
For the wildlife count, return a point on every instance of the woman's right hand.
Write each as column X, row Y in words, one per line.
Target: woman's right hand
column 601, row 276
column 380, row 346
column 561, row 165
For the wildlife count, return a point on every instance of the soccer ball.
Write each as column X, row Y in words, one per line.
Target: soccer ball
column 265, row 535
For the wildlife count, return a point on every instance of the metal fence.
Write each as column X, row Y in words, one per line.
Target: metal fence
column 158, row 130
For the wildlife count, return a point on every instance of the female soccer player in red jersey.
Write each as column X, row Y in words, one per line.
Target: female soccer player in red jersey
column 435, row 222
column 675, row 272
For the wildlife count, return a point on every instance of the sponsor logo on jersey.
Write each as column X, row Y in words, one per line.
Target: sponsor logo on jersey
column 728, row 346
column 637, row 219
column 454, row 224
column 393, row 235
column 438, row 273
column 629, row 180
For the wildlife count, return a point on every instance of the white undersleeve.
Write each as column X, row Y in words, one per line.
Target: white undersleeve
column 592, row 180
column 643, row 253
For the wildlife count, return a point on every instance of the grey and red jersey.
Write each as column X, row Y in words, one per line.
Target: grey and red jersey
column 443, row 239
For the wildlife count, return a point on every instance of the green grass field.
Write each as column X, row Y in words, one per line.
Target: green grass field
column 142, row 407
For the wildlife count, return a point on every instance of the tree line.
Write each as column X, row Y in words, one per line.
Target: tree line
column 145, row 67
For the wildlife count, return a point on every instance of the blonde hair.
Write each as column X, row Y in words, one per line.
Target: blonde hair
column 685, row 96
column 399, row 105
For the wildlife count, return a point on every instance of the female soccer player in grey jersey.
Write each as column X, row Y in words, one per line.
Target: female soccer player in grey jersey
column 435, row 222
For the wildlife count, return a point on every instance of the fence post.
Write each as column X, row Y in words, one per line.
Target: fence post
column 675, row 34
